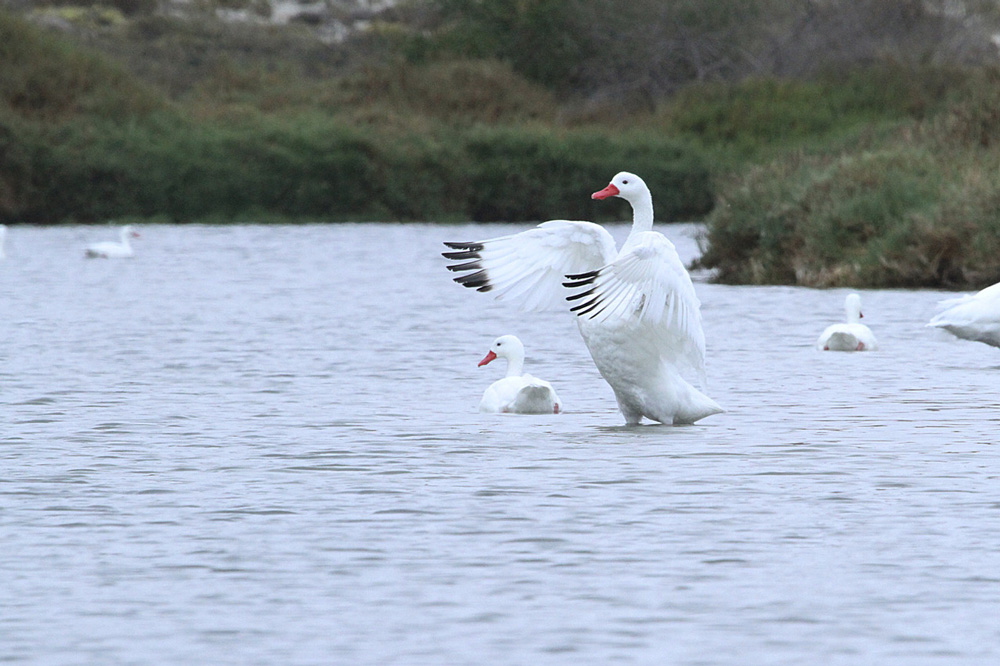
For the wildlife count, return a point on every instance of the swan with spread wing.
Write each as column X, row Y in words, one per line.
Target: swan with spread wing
column 636, row 307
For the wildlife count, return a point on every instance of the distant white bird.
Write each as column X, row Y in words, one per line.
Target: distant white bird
column 516, row 393
column 973, row 317
column 636, row 308
column 852, row 336
column 112, row 250
column 3, row 239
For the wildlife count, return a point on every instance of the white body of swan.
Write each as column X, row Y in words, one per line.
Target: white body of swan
column 516, row 393
column 112, row 250
column 852, row 336
column 973, row 317
column 636, row 307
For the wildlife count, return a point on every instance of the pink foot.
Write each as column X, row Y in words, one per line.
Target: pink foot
column 861, row 346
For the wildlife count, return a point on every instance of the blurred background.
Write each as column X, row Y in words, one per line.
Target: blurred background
column 824, row 142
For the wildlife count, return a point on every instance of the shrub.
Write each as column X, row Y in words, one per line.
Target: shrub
column 317, row 167
column 43, row 77
column 537, row 175
column 757, row 117
column 920, row 210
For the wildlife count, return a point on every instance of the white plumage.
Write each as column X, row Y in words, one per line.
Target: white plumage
column 112, row 250
column 636, row 307
column 517, row 392
column 973, row 317
column 850, row 336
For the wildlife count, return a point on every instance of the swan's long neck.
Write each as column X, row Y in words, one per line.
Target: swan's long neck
column 124, row 233
column 515, row 365
column 853, row 310
column 642, row 213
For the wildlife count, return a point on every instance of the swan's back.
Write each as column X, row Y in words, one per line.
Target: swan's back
column 522, row 394
column 975, row 317
column 536, row 398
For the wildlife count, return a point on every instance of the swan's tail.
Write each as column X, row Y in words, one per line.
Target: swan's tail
column 842, row 341
column 695, row 406
column 535, row 399
column 676, row 401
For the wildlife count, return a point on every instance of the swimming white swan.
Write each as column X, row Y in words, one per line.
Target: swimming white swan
column 516, row 393
column 852, row 336
column 636, row 308
column 973, row 317
column 112, row 250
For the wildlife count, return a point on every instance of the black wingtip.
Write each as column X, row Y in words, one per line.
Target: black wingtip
column 584, row 308
column 581, row 279
column 582, row 294
column 474, row 246
column 459, row 256
column 476, row 280
column 470, row 266
column 583, row 276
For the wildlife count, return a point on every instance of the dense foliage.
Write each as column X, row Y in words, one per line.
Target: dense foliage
column 917, row 207
column 840, row 142
column 83, row 140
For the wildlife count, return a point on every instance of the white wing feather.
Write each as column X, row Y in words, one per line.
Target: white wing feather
column 647, row 288
column 528, row 268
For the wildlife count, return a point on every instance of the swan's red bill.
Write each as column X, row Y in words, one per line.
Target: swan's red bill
column 489, row 357
column 609, row 191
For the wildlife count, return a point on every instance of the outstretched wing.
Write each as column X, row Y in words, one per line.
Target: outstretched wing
column 529, row 267
column 647, row 289
column 989, row 294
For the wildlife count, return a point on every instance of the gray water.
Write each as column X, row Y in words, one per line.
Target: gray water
column 260, row 445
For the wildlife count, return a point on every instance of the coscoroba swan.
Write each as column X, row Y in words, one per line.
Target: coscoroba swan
column 112, row 250
column 852, row 336
column 973, row 317
column 636, row 308
column 516, row 393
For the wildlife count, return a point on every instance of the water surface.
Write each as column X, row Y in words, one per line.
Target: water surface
column 260, row 445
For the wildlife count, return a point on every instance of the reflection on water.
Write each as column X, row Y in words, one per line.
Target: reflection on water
column 261, row 445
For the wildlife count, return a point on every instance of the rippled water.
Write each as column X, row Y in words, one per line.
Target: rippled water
column 260, row 445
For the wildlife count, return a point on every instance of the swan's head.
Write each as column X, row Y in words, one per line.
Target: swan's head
column 506, row 346
column 129, row 232
column 626, row 185
column 852, row 306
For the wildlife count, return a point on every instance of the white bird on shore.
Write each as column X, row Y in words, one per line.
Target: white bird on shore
column 112, row 250
column 973, row 317
column 516, row 393
column 852, row 336
column 636, row 308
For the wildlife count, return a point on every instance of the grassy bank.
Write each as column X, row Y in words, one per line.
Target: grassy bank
column 880, row 175
column 317, row 168
column 84, row 140
column 145, row 128
column 914, row 205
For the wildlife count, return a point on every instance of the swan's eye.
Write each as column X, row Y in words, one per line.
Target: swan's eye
column 624, row 182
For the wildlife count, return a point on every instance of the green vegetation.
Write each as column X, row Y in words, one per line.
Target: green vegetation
column 917, row 205
column 83, row 140
column 876, row 166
